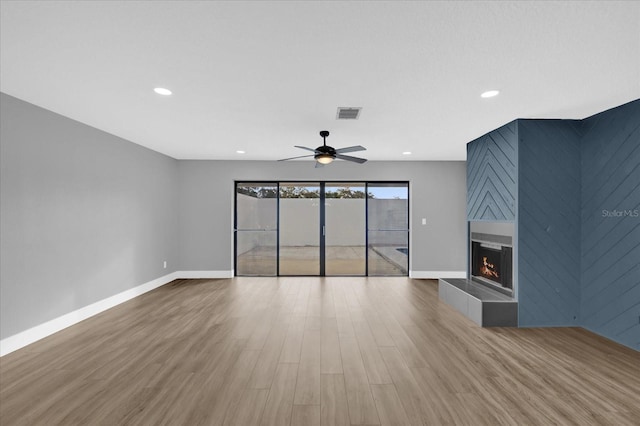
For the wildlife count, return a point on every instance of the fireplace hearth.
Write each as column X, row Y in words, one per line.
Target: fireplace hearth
column 487, row 295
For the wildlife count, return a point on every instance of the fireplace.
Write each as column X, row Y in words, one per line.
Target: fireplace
column 491, row 257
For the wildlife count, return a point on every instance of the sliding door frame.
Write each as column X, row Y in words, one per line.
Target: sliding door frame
column 408, row 229
column 366, row 228
column 275, row 184
column 322, row 227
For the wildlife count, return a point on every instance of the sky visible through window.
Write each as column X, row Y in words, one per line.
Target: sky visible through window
column 389, row 192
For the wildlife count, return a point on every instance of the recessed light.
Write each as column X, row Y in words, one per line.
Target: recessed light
column 406, row 153
column 162, row 91
column 240, row 151
column 490, row 94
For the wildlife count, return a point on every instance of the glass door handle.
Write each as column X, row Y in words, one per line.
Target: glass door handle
column 323, row 231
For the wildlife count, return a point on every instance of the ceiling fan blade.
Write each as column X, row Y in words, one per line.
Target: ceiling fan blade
column 304, row 147
column 351, row 149
column 293, row 158
column 350, row 158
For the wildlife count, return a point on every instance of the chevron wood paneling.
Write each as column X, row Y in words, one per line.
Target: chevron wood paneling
column 574, row 188
column 491, row 175
column 610, row 293
column 549, row 222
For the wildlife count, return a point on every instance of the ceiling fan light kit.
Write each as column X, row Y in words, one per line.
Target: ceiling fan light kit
column 324, row 158
column 325, row 154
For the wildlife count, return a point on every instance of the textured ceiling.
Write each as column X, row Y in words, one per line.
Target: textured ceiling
column 264, row 76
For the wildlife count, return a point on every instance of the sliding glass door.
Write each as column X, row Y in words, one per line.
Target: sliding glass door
column 388, row 228
column 256, row 229
column 299, row 247
column 322, row 228
column 345, row 236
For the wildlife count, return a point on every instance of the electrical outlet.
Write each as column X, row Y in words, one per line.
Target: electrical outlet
column 424, row 220
column 165, row 264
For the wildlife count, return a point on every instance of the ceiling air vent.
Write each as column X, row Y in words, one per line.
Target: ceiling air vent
column 348, row 113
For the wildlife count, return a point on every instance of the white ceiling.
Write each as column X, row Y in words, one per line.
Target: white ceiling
column 264, row 76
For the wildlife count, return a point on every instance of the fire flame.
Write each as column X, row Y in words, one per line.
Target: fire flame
column 487, row 269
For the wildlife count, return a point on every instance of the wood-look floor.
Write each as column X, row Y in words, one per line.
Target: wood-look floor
column 312, row 351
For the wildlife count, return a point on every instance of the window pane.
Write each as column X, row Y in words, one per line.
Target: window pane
column 388, row 252
column 256, row 232
column 388, row 228
column 299, row 229
column 256, row 253
column 256, row 206
column 345, row 229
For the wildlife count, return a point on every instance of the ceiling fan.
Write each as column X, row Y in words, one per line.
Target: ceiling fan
column 325, row 154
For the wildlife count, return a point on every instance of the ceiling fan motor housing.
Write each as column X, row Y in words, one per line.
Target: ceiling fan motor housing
column 325, row 149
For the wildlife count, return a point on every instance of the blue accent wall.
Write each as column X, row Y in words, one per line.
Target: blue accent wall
column 548, row 222
column 573, row 189
column 610, row 302
column 492, row 174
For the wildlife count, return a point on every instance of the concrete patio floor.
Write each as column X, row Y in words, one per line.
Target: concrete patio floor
column 340, row 260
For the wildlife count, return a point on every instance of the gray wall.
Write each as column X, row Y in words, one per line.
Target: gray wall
column 437, row 193
column 84, row 215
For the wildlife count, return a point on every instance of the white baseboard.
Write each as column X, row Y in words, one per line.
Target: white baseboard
column 205, row 274
column 437, row 274
column 24, row 338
